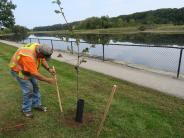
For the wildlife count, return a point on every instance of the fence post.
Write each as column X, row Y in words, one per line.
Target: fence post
column 103, row 52
column 52, row 44
column 72, row 47
column 38, row 40
column 179, row 64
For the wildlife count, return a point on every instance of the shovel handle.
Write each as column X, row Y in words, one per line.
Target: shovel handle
column 55, row 73
column 57, row 88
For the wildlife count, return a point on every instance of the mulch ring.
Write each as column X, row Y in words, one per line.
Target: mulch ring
column 13, row 126
column 69, row 120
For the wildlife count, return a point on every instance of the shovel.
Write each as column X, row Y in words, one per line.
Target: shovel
column 57, row 88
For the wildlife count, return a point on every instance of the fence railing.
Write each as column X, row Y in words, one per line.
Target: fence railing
column 176, row 63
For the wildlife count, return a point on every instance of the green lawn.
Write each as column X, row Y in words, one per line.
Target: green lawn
column 135, row 112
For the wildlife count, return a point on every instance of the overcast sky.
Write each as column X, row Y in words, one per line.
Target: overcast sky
column 31, row 13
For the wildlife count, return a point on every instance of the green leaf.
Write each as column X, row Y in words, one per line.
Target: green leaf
column 58, row 2
column 54, row 1
column 86, row 50
column 57, row 11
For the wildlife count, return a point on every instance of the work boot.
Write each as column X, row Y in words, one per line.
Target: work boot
column 41, row 108
column 28, row 114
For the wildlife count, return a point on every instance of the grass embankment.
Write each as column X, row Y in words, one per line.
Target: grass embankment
column 161, row 29
column 135, row 112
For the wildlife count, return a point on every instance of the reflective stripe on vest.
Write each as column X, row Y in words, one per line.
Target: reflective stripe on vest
column 27, row 50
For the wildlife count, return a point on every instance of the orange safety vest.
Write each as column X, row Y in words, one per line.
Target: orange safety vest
column 27, row 50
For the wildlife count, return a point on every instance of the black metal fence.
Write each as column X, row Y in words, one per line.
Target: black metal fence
column 166, row 58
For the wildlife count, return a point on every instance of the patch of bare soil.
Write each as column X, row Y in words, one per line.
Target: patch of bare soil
column 69, row 120
column 14, row 126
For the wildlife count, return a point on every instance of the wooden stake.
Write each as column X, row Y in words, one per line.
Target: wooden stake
column 57, row 88
column 106, row 109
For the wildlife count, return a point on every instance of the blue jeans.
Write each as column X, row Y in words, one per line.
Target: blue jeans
column 30, row 91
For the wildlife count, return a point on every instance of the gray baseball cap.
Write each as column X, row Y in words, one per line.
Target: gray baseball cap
column 45, row 50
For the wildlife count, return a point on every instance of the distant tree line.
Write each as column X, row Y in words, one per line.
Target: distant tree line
column 161, row 16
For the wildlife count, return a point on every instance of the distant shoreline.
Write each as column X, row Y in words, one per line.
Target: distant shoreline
column 159, row 29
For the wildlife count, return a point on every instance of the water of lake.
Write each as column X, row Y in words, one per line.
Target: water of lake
column 161, row 58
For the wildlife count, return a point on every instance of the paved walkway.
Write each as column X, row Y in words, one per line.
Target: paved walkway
column 163, row 83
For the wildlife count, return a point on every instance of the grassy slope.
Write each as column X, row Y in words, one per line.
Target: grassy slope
column 136, row 111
